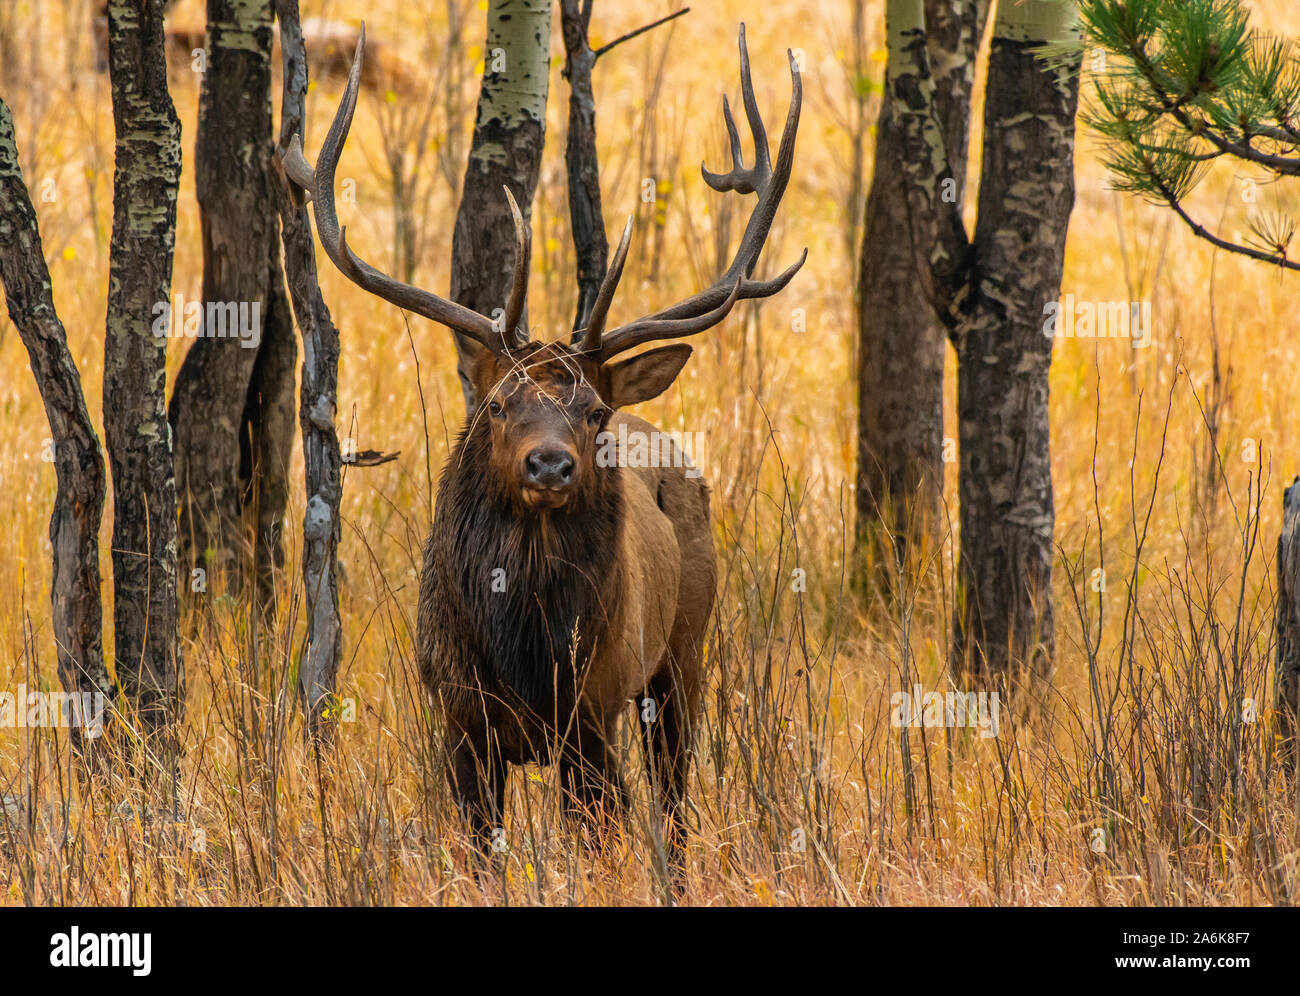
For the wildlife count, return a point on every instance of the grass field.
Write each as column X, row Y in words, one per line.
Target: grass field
column 1138, row 782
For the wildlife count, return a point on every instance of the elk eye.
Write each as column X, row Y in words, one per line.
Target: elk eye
column 494, row 408
column 596, row 417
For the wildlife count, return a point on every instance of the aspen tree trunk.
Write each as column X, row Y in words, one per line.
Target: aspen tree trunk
column 1005, row 621
column 148, row 162
column 901, row 343
column 509, row 131
column 322, row 460
column 78, row 462
column 990, row 291
column 232, row 406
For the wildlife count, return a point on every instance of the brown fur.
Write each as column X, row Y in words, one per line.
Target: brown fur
column 606, row 598
column 558, row 586
column 329, row 45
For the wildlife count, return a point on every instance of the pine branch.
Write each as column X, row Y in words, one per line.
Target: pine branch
column 1276, row 259
column 1194, row 84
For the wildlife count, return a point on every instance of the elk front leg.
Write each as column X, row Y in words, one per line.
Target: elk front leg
column 590, row 778
column 478, row 782
column 666, row 716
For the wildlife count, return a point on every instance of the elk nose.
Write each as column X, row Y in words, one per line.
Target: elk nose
column 550, row 468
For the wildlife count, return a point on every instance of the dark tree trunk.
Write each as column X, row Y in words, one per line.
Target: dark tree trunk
column 78, row 462
column 232, row 450
column 1288, row 622
column 268, row 436
column 901, row 343
column 990, row 292
column 317, row 407
column 586, row 217
column 506, row 150
column 1004, row 623
column 148, row 163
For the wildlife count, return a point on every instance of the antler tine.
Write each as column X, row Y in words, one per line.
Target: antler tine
column 519, row 285
column 723, row 181
column 739, row 178
column 297, row 169
column 319, row 183
column 591, row 335
column 762, row 163
column 768, row 182
column 653, row 329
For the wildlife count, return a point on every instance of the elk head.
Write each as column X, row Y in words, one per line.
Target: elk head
column 545, row 403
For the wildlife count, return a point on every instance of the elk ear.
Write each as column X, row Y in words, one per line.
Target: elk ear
column 645, row 376
column 476, row 368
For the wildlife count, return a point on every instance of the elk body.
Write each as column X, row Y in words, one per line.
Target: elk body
column 556, row 589
column 328, row 43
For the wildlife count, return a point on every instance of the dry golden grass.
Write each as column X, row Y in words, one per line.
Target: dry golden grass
column 798, row 744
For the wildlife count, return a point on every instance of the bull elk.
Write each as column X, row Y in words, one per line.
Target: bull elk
column 554, row 590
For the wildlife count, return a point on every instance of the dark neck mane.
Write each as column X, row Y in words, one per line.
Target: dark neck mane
column 557, row 570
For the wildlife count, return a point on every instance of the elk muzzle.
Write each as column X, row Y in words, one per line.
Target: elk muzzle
column 549, row 474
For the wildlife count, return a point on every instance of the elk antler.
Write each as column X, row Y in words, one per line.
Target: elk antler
column 707, row 308
column 319, row 185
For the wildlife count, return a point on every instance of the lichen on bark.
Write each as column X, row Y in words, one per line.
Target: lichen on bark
column 989, row 291
column 138, row 438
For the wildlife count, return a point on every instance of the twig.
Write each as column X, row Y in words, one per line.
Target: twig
column 640, row 31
